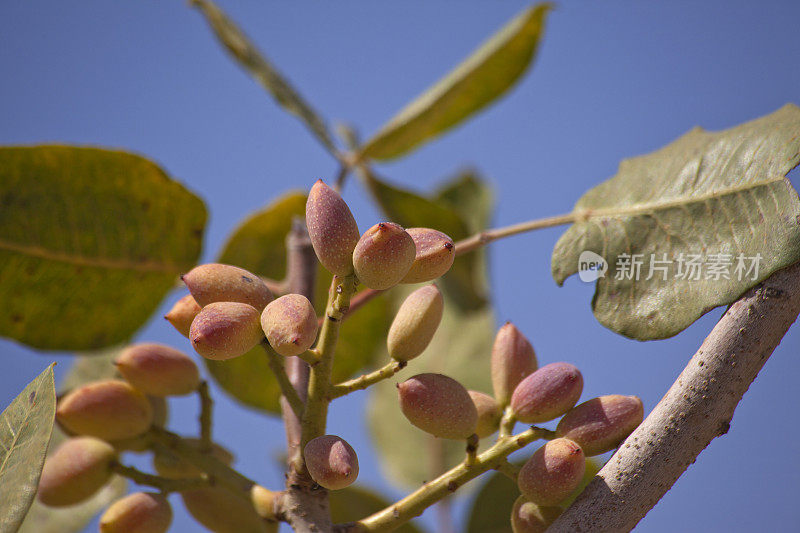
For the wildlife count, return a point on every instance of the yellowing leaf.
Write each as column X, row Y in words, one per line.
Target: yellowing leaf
column 25, row 428
column 90, row 242
column 245, row 52
column 478, row 81
column 708, row 198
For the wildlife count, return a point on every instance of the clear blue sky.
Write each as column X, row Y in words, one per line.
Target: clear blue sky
column 613, row 79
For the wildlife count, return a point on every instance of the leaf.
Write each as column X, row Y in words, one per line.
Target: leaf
column 90, row 242
column 72, row 519
column 356, row 502
column 703, row 195
column 25, row 427
column 480, row 79
column 491, row 509
column 460, row 349
column 462, row 207
column 249, row 57
column 258, row 245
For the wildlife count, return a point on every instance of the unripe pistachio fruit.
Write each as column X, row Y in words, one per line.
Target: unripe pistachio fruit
column 158, row 370
column 548, row 393
column 171, row 466
column 182, row 314
column 415, row 323
column 383, row 255
column 140, row 512
column 290, row 324
column 527, row 517
column 513, row 359
column 215, row 282
column 332, row 229
column 435, row 253
column 109, row 410
column 332, row 462
column 601, row 424
column 141, row 443
column 439, row 405
column 224, row 330
column 552, row 472
column 222, row 511
column 75, row 471
column 489, row 413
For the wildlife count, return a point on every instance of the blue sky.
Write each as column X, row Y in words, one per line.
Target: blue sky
column 612, row 80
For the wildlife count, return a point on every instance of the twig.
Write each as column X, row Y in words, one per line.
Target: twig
column 511, row 471
column 415, row 503
column 161, row 483
column 485, row 237
column 316, row 412
column 206, row 416
column 697, row 408
column 507, row 423
column 217, row 471
column 275, row 363
column 366, row 380
column 472, row 450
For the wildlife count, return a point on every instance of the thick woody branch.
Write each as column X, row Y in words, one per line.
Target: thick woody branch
column 698, row 408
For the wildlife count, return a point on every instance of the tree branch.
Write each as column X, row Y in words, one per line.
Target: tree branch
column 698, row 408
column 415, row 503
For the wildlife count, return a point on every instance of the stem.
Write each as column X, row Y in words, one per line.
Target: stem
column 161, row 483
column 485, row 237
column 206, row 416
column 507, row 423
column 697, row 408
column 216, row 471
column 472, row 450
column 275, row 363
column 509, row 470
column 415, row 503
column 316, row 412
column 366, row 380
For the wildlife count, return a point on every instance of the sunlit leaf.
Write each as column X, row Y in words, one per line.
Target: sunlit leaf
column 708, row 198
column 479, row 80
column 90, row 242
column 25, row 427
column 72, row 519
column 356, row 502
column 259, row 245
column 249, row 57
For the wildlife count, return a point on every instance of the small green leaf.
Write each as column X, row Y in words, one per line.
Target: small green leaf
column 25, row 428
column 460, row 349
column 479, row 80
column 259, row 245
column 249, row 57
column 356, row 502
column 708, row 198
column 90, row 242
column 72, row 519
column 460, row 208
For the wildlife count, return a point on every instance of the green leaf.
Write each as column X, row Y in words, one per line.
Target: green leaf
column 479, row 80
column 90, row 242
column 249, row 57
column 355, row 502
column 460, row 349
column 25, row 427
column 259, row 246
column 715, row 195
column 72, row 519
column 460, row 208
